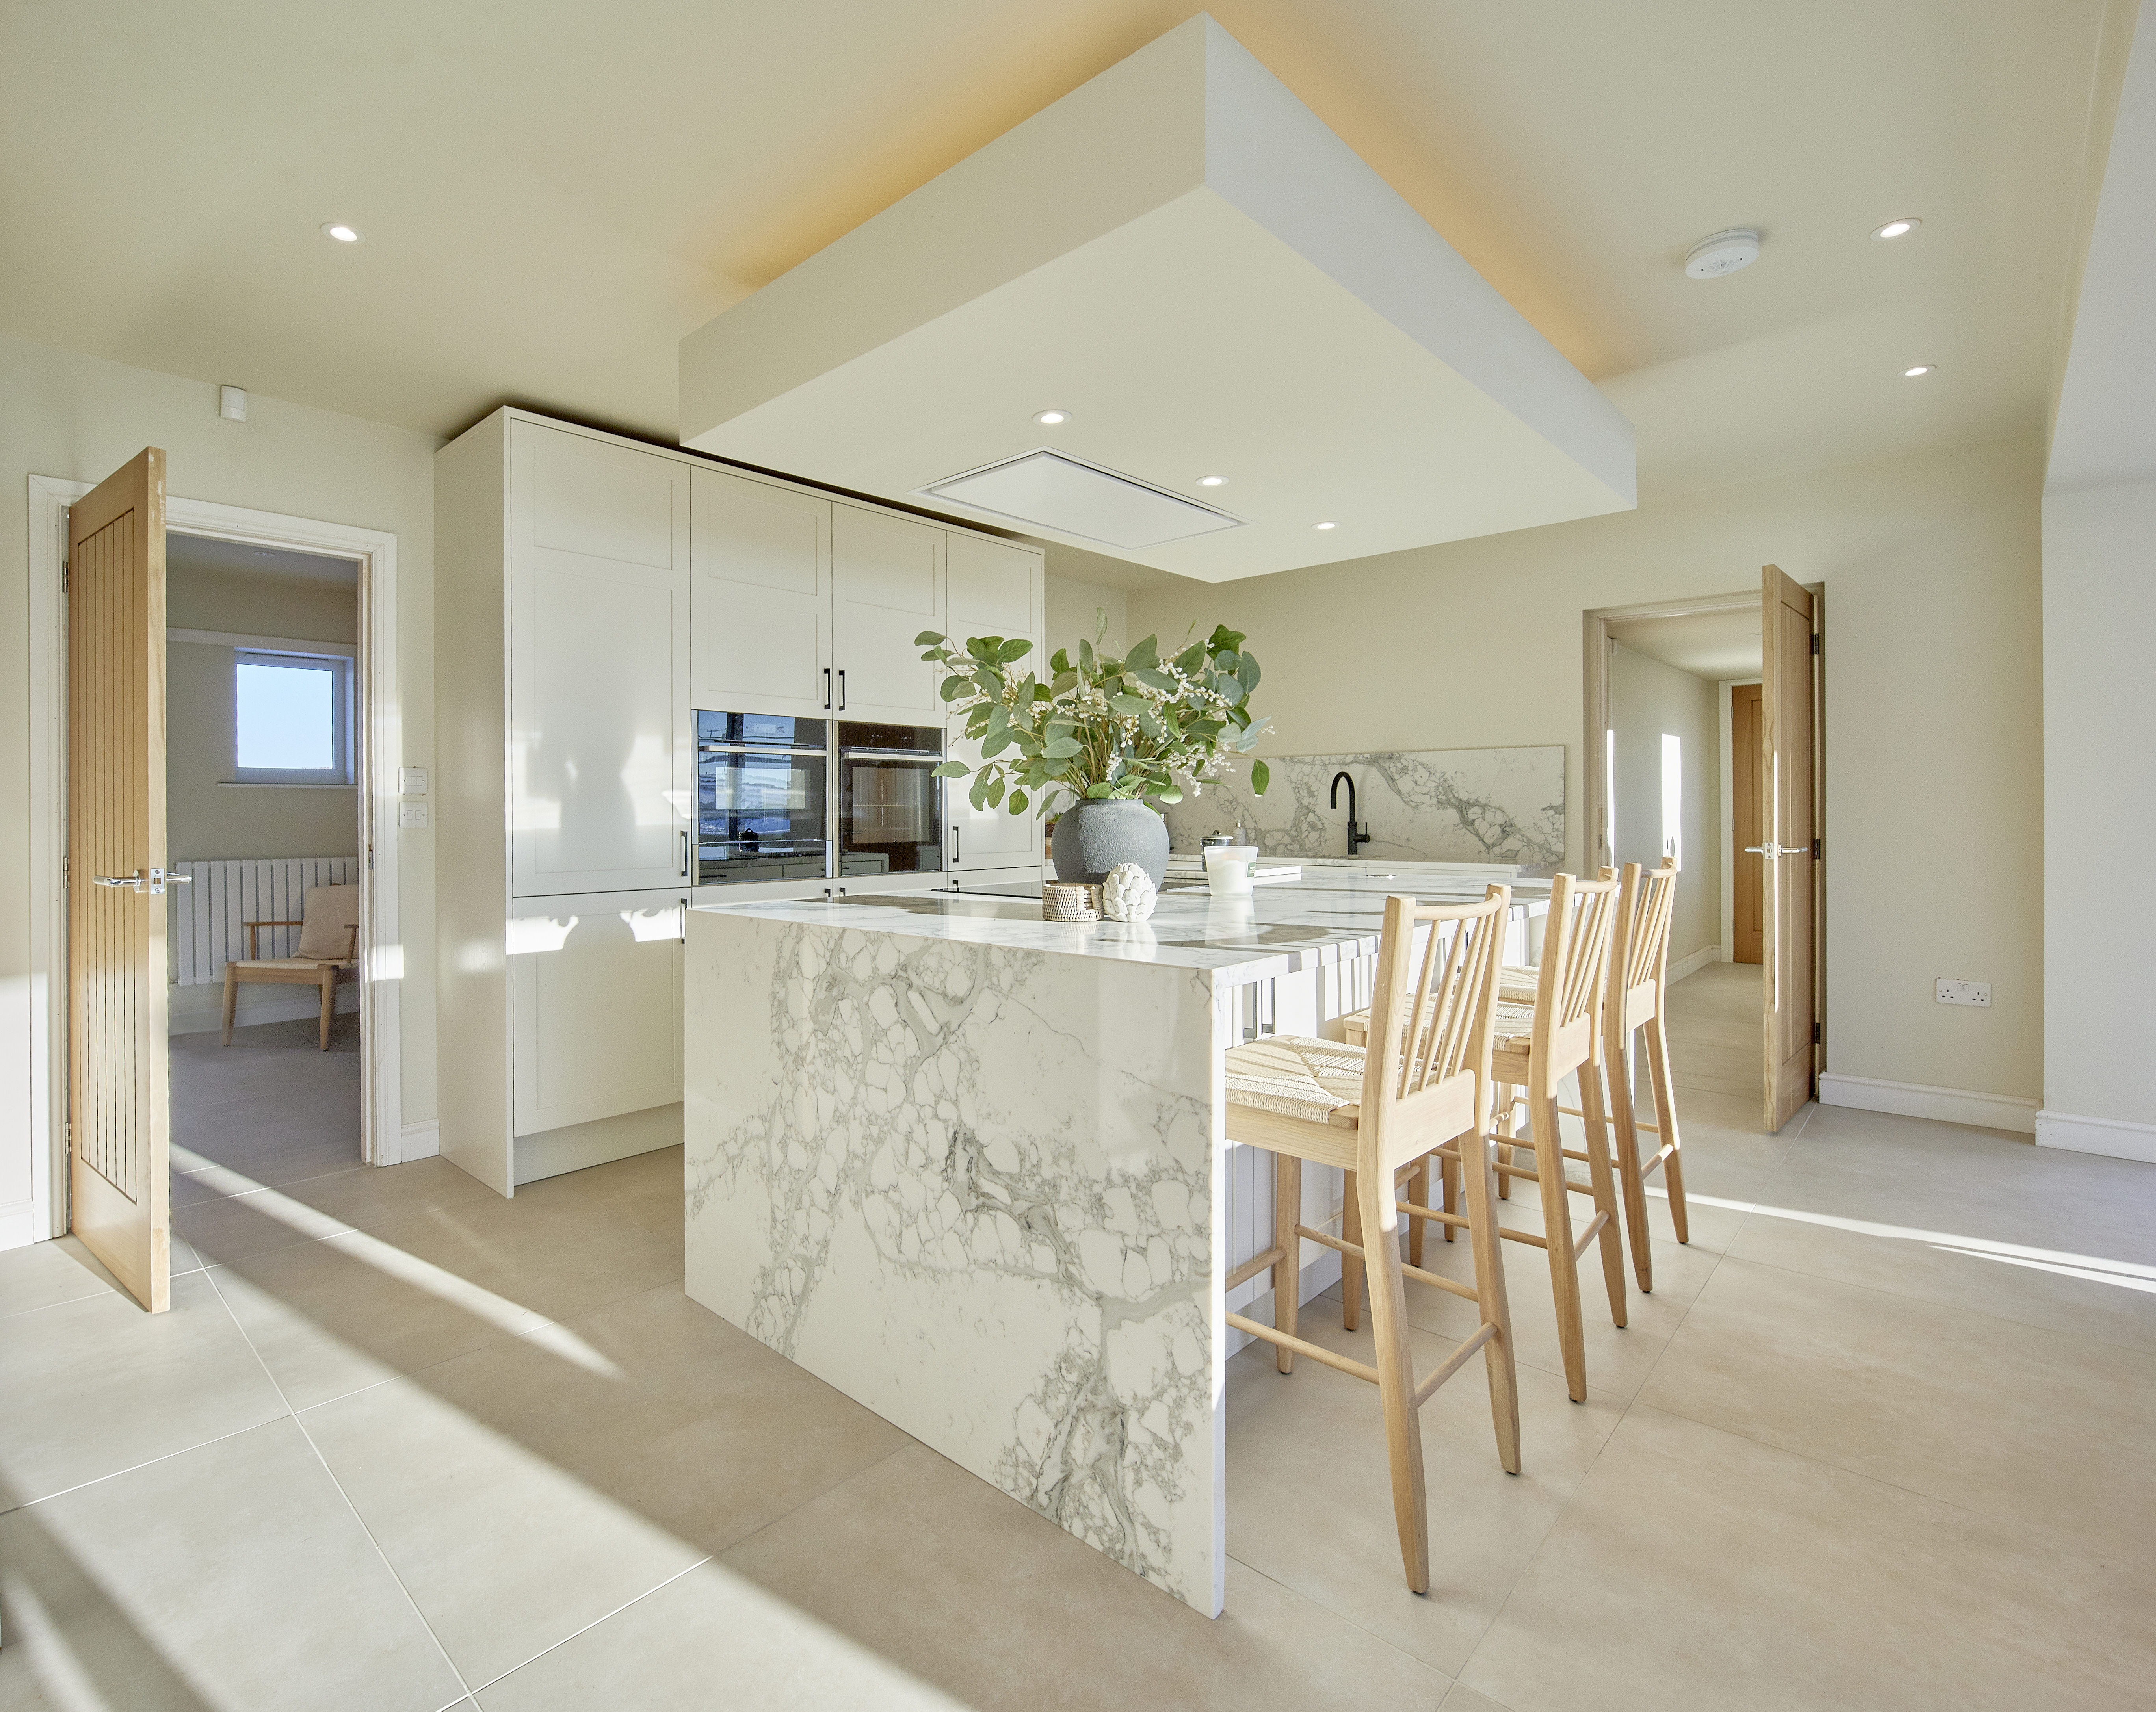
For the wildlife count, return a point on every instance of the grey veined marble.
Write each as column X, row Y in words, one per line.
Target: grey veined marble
column 1436, row 804
column 972, row 1186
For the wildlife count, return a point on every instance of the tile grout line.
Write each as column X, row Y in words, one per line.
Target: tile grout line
column 657, row 1586
column 1360, row 1628
column 292, row 1415
column 146, row 1463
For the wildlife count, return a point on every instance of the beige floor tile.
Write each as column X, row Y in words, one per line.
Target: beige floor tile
column 532, row 1487
column 2074, row 1267
column 44, row 1274
column 1463, row 1698
column 232, row 1576
column 1696, row 1569
column 1915, row 1153
column 1310, row 1488
column 944, row 1577
column 2034, row 1426
column 671, row 1650
column 272, row 1138
column 95, row 1386
column 228, row 1228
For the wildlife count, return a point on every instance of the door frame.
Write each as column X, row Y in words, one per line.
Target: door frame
column 1594, row 794
column 380, row 758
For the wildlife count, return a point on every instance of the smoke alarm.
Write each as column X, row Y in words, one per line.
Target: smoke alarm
column 1724, row 252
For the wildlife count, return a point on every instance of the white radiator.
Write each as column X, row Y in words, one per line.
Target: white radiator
column 209, row 915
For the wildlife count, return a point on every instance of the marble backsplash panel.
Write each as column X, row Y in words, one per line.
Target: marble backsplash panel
column 1432, row 804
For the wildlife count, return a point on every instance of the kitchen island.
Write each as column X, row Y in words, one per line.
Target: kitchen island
column 968, row 1167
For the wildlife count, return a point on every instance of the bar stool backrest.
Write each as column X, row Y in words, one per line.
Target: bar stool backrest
column 1640, row 957
column 1575, row 966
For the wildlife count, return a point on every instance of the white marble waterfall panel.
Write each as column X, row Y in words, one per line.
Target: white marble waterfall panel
column 1433, row 805
column 974, row 1186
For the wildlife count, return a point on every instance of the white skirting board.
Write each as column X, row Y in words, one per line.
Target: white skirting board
column 419, row 1141
column 2114, row 1136
column 549, row 1153
column 196, row 1010
column 1695, row 961
column 1919, row 1099
column 16, row 1231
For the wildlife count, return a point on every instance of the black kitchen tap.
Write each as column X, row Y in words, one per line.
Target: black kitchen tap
column 1357, row 833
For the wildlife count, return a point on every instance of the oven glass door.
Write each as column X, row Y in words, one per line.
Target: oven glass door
column 759, row 816
column 890, row 803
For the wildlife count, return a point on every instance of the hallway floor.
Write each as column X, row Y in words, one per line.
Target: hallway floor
column 1881, row 1437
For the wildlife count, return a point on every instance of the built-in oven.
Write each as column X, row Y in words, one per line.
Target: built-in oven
column 761, row 799
column 890, row 803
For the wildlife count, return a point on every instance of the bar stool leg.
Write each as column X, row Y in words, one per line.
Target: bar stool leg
column 1396, row 1383
column 1507, row 1100
column 1557, row 1234
column 1479, row 1188
column 1449, row 1180
column 1351, row 1268
column 1666, row 1114
column 1287, row 1271
column 1417, row 1195
column 1600, row 1174
column 1629, row 1181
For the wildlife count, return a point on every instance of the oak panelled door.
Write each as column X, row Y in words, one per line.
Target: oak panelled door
column 1788, row 710
column 118, row 1170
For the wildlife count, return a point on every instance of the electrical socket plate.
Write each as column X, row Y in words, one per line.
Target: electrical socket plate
column 415, row 814
column 413, row 780
column 1949, row 992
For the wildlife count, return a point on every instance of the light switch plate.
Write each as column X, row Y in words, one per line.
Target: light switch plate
column 1950, row 992
column 413, row 782
column 412, row 814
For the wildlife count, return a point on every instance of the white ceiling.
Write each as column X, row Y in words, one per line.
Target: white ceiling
column 185, row 554
column 553, row 194
column 1711, row 645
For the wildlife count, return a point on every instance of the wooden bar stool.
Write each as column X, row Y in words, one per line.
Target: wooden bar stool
column 1373, row 1113
column 1638, row 1000
column 1535, row 1048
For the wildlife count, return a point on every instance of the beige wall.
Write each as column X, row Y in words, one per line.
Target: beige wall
column 1073, row 609
column 1649, row 700
column 2099, row 808
column 1934, row 799
column 204, row 817
column 79, row 418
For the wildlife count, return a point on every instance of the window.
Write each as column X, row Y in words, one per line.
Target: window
column 292, row 718
column 1673, row 798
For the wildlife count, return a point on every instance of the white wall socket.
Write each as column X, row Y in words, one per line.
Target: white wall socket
column 413, row 781
column 415, row 814
column 1949, row 992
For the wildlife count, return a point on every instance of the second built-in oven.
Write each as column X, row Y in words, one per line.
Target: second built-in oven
column 761, row 802
column 890, row 803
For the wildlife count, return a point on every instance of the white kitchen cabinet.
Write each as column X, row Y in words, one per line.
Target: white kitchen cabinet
column 602, row 744
column 595, row 999
column 887, row 587
column 992, row 588
column 762, row 555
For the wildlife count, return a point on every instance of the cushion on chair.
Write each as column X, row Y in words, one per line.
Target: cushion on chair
column 330, row 913
column 310, row 964
column 1517, row 986
column 1297, row 1077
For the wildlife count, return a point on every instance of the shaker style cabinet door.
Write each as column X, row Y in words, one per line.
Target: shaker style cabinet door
column 595, row 984
column 601, row 738
column 993, row 589
column 762, row 561
column 887, row 587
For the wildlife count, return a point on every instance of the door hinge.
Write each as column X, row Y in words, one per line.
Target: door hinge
column 1814, row 642
column 63, row 575
column 67, row 1137
column 1816, row 849
column 67, row 869
column 1815, row 1034
column 370, row 859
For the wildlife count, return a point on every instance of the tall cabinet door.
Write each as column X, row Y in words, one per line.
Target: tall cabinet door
column 887, row 587
column 601, row 740
column 993, row 589
column 762, row 561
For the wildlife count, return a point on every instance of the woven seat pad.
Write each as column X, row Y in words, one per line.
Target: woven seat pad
column 290, row 962
column 1515, row 1016
column 1298, row 1077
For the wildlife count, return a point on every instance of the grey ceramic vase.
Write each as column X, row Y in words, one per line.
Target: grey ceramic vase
column 1092, row 836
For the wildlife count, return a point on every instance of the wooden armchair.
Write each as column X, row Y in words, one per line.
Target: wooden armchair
column 329, row 944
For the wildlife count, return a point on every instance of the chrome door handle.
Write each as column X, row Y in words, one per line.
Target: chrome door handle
column 154, row 881
column 1774, row 852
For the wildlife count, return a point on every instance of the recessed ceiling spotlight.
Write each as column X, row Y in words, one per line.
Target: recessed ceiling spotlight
column 1898, row 228
column 341, row 232
column 1722, row 253
column 1053, row 418
column 1325, row 526
column 1919, row 372
column 1211, row 481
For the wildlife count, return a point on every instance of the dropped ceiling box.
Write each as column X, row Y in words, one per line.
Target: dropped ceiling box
column 1182, row 257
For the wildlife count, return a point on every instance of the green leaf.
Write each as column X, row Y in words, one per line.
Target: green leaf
column 953, row 687
column 984, row 648
column 1261, row 776
column 951, row 770
column 1191, row 659
column 1059, row 748
column 995, row 793
column 1017, row 800
column 1246, row 673
column 1059, row 661
column 930, row 639
column 1016, row 648
column 998, row 741
column 1130, row 706
column 1100, row 788
column 1154, row 678
column 1146, row 653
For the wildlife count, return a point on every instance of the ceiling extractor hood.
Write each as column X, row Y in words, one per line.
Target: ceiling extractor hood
column 1181, row 260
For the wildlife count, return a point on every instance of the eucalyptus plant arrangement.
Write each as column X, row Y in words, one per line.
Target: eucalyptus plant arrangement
column 1098, row 727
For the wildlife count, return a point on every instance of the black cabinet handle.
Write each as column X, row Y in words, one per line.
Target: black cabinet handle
column 842, row 689
column 684, row 921
column 827, row 689
column 684, row 855
column 954, row 843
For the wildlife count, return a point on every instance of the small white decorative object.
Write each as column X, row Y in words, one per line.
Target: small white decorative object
column 1128, row 893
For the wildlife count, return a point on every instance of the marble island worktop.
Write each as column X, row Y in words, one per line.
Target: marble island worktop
column 971, row 1168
